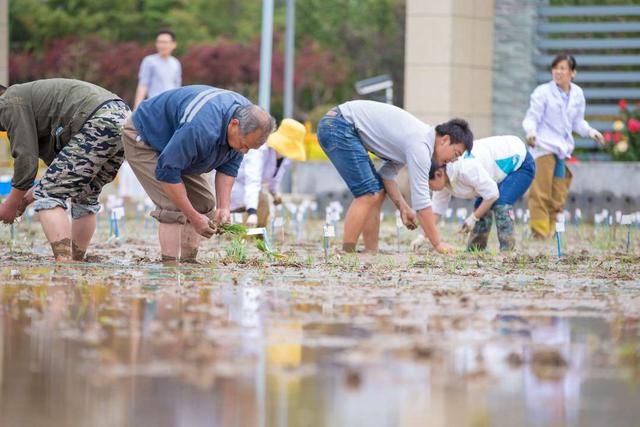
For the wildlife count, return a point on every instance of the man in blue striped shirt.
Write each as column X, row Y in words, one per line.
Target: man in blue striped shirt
column 174, row 138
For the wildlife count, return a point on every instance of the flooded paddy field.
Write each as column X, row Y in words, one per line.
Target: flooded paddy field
column 392, row 339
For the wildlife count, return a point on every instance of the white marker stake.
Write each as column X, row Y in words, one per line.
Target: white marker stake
column 328, row 232
column 255, row 231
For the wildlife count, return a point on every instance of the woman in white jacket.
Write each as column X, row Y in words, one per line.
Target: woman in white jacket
column 266, row 167
column 496, row 173
column 556, row 110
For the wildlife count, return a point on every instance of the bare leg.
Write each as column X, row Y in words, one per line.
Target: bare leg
column 169, row 236
column 371, row 231
column 190, row 240
column 57, row 229
column 82, row 230
column 356, row 218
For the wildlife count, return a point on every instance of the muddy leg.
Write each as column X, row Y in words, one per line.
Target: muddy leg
column 57, row 229
column 82, row 230
column 189, row 242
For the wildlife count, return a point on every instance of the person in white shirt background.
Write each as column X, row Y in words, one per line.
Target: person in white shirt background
column 266, row 167
column 556, row 110
column 158, row 72
column 497, row 172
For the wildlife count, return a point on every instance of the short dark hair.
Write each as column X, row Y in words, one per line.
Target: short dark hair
column 459, row 132
column 167, row 31
column 435, row 167
column 565, row 57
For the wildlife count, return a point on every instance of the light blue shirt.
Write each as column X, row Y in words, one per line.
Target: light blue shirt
column 159, row 74
column 553, row 119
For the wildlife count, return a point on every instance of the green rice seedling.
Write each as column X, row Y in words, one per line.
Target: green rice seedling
column 229, row 229
column 237, row 250
column 262, row 247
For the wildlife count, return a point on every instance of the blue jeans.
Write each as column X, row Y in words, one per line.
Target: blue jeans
column 340, row 141
column 515, row 184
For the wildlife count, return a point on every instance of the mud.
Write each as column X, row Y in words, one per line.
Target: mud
column 393, row 339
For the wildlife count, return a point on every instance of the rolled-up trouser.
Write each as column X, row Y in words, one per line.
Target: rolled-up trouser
column 87, row 163
column 548, row 193
column 143, row 160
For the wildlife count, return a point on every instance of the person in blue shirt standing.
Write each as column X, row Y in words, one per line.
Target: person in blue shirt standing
column 174, row 138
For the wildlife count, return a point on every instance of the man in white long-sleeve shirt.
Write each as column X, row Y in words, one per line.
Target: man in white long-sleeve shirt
column 349, row 132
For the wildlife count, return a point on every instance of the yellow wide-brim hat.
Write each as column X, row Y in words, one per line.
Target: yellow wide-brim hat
column 288, row 140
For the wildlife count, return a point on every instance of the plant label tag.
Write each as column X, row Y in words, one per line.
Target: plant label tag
column 329, row 231
column 626, row 219
column 559, row 227
column 255, row 231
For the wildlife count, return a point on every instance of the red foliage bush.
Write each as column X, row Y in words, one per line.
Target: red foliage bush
column 223, row 63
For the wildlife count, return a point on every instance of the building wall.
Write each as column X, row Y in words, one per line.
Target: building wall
column 449, row 60
column 514, row 73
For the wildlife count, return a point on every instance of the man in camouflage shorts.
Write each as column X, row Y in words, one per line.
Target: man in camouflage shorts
column 75, row 128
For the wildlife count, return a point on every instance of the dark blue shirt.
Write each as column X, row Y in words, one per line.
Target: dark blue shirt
column 188, row 127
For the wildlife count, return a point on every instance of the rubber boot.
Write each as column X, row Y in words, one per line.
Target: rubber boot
column 504, row 225
column 480, row 234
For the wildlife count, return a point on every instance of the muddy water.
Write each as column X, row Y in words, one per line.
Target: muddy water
column 144, row 345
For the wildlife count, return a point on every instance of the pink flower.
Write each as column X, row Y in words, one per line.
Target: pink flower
column 608, row 137
column 622, row 104
column 633, row 125
column 617, row 137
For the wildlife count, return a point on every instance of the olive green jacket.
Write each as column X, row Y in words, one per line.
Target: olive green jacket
column 41, row 116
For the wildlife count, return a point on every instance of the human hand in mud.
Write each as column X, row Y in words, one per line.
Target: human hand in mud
column 469, row 224
column 222, row 216
column 202, row 225
column 445, row 248
column 8, row 212
column 408, row 217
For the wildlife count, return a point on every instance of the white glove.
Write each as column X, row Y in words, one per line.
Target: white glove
column 469, row 223
column 418, row 242
column 531, row 138
column 252, row 220
column 594, row 134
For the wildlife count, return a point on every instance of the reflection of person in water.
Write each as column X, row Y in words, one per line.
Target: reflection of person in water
column 554, row 400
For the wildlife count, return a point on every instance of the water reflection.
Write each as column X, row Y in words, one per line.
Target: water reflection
column 178, row 347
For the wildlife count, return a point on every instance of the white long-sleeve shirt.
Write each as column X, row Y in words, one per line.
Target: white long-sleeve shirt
column 259, row 167
column 479, row 173
column 467, row 179
column 554, row 117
